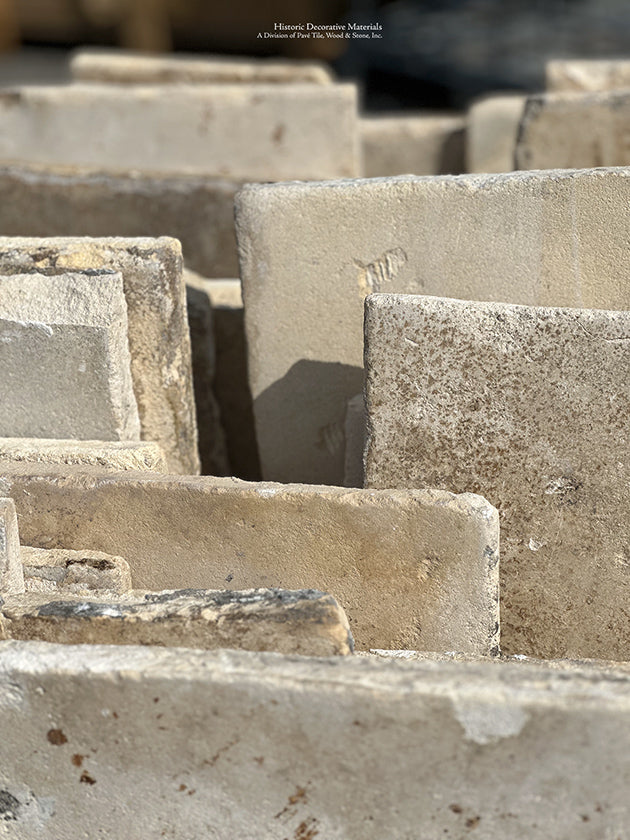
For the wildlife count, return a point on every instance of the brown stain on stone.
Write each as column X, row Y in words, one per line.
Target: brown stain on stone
column 77, row 759
column 56, row 737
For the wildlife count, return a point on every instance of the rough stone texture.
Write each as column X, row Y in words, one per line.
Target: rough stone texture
column 11, row 574
column 491, row 133
column 574, row 130
column 158, row 330
column 307, row 622
column 587, row 75
column 64, row 358
column 62, row 201
column 113, row 456
column 240, row 132
column 411, row 569
column 212, row 445
column 114, row 66
column 422, row 144
column 354, row 429
column 528, row 406
column 311, row 252
column 145, row 742
column 231, row 385
column 79, row 572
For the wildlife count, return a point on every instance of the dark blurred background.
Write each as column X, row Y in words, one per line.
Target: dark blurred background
column 433, row 53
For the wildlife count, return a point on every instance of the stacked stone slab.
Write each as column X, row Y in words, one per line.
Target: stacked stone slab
column 240, row 132
column 529, row 406
column 116, row 67
column 241, row 743
column 553, row 239
column 412, row 569
column 491, row 132
column 587, row 76
column 11, row 573
column 114, row 456
column 159, row 342
column 64, row 358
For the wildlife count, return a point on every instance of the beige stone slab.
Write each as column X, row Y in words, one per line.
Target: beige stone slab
column 574, row 130
column 113, row 456
column 11, row 574
column 354, row 431
column 240, row 132
column 64, row 358
column 311, row 252
column 587, row 75
column 144, row 742
column 529, row 406
column 411, row 569
column 491, row 132
column 79, row 201
column 306, row 622
column 118, row 67
column 158, row 330
column 421, row 144
column 65, row 572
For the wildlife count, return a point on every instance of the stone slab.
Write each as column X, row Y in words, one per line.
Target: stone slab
column 311, row 252
column 65, row 572
column 113, row 456
column 306, row 622
column 144, row 742
column 79, row 201
column 159, row 341
column 240, row 132
column 587, row 75
column 64, row 358
column 124, row 67
column 354, row 432
column 527, row 405
column 422, row 144
column 11, row 573
column 574, row 130
column 491, row 131
column 411, row 569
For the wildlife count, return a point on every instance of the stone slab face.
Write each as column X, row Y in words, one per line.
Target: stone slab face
column 118, row 67
column 64, row 358
column 240, row 132
column 529, row 406
column 354, row 430
column 65, row 572
column 491, row 131
column 418, row 144
column 574, row 130
column 307, row 622
column 62, row 201
column 113, row 456
column 159, row 342
column 311, row 252
column 587, row 76
column 411, row 569
column 11, row 574
column 144, row 742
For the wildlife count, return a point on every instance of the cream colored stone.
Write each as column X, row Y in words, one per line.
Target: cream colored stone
column 491, row 132
column 141, row 742
column 422, row 144
column 158, row 331
column 574, row 130
column 311, row 252
column 65, row 363
column 115, row 66
column 241, row 132
column 411, row 569
column 587, row 75
column 113, row 456
column 306, row 622
column 11, row 574
column 62, row 571
column 529, row 406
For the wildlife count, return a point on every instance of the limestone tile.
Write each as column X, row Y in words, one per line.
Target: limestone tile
column 491, row 131
column 587, row 75
column 64, row 572
column 11, row 574
column 354, row 430
column 529, row 406
column 113, row 456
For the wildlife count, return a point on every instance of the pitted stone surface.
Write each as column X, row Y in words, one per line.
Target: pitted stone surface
column 159, row 342
column 11, row 574
column 78, row 572
column 529, row 406
column 64, row 358
column 109, row 455
column 411, row 569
